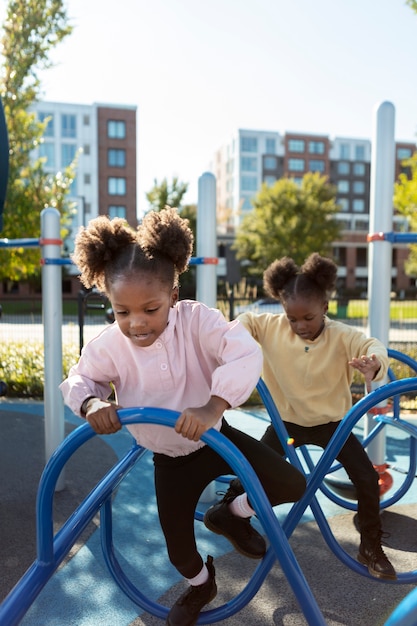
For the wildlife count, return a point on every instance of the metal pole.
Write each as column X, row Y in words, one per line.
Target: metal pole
column 206, row 239
column 206, row 280
column 380, row 252
column 52, row 333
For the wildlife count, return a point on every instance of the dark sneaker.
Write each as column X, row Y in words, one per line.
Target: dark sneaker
column 187, row 608
column 372, row 555
column 235, row 489
column 238, row 530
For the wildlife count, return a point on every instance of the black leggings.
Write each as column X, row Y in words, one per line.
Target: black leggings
column 353, row 458
column 180, row 481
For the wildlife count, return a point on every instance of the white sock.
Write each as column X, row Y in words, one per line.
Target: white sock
column 240, row 506
column 200, row 579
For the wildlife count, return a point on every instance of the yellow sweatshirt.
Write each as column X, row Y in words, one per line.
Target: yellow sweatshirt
column 310, row 380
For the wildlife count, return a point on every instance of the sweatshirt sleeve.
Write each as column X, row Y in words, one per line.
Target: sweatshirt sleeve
column 370, row 345
column 92, row 376
column 235, row 357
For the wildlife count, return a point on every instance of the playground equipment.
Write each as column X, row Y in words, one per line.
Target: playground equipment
column 52, row 550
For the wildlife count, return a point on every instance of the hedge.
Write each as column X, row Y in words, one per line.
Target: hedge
column 22, row 369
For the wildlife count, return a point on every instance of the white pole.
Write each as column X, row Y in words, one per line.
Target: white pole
column 206, row 280
column 52, row 333
column 206, row 239
column 380, row 251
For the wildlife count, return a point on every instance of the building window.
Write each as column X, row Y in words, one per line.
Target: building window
column 344, row 204
column 339, row 255
column 361, row 257
column 116, row 186
column 271, row 146
column 68, row 125
column 344, row 224
column 73, row 188
column 343, row 186
column 248, row 164
column 296, row 145
column 343, row 167
column 116, row 158
column 116, row 129
column 270, row 163
column 117, row 210
column 86, row 120
column 249, row 144
column 358, row 205
column 316, row 165
column 86, row 148
column 87, row 179
column 345, row 151
column 49, row 118
column 270, row 180
column 359, row 153
column 362, row 225
column 358, row 186
column 316, row 147
column 47, row 152
column 296, row 165
column 249, row 183
column 359, row 169
column 403, row 153
column 68, row 152
column 246, row 204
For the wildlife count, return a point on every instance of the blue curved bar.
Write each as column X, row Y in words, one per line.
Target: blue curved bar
column 324, row 465
column 51, row 551
column 406, row 612
column 263, row 509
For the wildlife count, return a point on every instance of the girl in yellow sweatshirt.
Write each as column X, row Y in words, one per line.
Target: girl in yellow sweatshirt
column 308, row 368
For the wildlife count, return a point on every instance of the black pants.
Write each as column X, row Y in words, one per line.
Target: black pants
column 180, row 481
column 355, row 461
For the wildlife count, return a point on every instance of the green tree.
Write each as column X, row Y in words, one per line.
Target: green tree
column 412, row 4
column 405, row 201
column 288, row 220
column 163, row 193
column 31, row 29
column 188, row 279
column 189, row 212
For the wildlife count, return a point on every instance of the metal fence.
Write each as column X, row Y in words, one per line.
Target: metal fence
column 92, row 317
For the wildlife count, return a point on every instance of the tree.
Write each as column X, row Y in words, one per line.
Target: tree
column 162, row 194
column 288, row 220
column 412, row 4
column 405, row 201
column 31, row 29
column 188, row 279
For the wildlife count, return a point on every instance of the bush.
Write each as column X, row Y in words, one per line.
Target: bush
column 22, row 367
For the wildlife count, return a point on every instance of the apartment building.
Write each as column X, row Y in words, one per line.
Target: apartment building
column 102, row 137
column 252, row 157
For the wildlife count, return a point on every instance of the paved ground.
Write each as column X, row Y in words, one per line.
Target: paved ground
column 82, row 592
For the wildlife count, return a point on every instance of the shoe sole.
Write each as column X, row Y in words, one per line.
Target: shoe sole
column 372, row 571
column 236, row 546
column 214, row 594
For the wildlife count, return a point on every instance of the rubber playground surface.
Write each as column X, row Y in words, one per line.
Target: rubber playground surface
column 83, row 593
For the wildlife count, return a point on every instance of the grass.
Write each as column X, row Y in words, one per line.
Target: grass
column 400, row 310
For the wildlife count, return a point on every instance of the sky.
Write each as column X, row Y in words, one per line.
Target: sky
column 198, row 70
